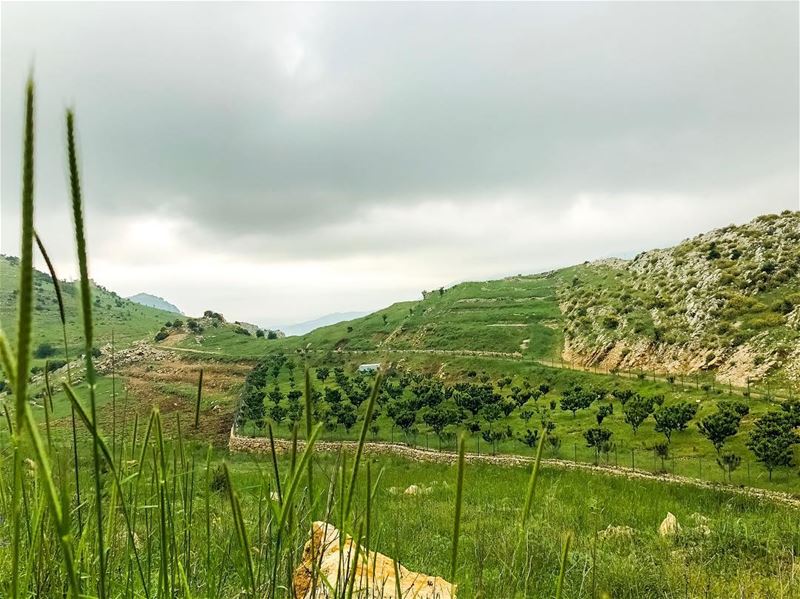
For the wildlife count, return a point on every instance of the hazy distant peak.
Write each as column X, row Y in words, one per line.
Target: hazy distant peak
column 153, row 301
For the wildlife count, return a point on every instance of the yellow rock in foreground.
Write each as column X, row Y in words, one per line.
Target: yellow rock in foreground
column 328, row 554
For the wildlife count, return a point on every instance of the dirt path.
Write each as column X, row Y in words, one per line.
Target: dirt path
column 439, row 352
column 261, row 445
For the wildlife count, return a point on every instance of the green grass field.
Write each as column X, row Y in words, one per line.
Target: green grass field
column 129, row 321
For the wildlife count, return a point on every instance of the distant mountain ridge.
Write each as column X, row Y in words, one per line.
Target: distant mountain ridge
column 153, row 301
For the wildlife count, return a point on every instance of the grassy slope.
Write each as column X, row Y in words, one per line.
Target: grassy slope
column 748, row 550
column 496, row 317
column 683, row 302
column 129, row 321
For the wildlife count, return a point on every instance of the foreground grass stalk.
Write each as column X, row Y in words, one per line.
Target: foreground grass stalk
column 241, row 531
column 113, row 399
column 117, row 483
column 361, row 439
column 24, row 318
column 24, row 418
column 63, row 317
column 274, row 455
column 532, row 483
column 61, row 520
column 86, row 305
column 309, row 406
column 459, row 499
column 563, row 567
column 197, row 404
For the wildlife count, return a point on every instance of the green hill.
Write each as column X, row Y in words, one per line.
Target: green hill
column 129, row 321
column 726, row 302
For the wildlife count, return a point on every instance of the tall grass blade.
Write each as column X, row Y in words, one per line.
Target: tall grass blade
column 117, row 483
column 54, row 503
column 197, row 404
column 24, row 319
column 48, row 406
column 309, row 407
column 113, row 399
column 59, row 299
column 563, row 567
column 274, row 455
column 532, row 482
column 8, row 361
column 361, row 439
column 459, row 499
column 241, row 530
column 62, row 316
column 88, row 334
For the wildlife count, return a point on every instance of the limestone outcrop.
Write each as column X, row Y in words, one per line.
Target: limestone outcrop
column 328, row 554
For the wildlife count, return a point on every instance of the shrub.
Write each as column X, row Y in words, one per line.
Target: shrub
column 161, row 335
column 219, row 482
column 55, row 365
column 44, row 350
column 783, row 306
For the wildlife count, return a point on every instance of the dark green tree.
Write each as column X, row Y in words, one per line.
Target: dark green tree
column 637, row 409
column 729, row 462
column 674, row 418
column 661, row 449
column 346, row 415
column 604, row 411
column 598, row 439
column 718, row 427
column 772, row 440
column 277, row 413
column 576, row 399
column 441, row 416
column 529, row 437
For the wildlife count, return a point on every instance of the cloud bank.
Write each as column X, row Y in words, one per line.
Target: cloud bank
column 277, row 162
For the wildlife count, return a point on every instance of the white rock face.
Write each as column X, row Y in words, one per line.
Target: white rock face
column 669, row 526
column 327, row 553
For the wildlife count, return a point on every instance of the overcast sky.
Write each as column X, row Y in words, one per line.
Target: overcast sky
column 279, row 162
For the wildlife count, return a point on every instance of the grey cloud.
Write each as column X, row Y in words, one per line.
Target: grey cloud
column 187, row 105
column 271, row 128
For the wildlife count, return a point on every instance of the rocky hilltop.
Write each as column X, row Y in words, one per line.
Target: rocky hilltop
column 726, row 301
